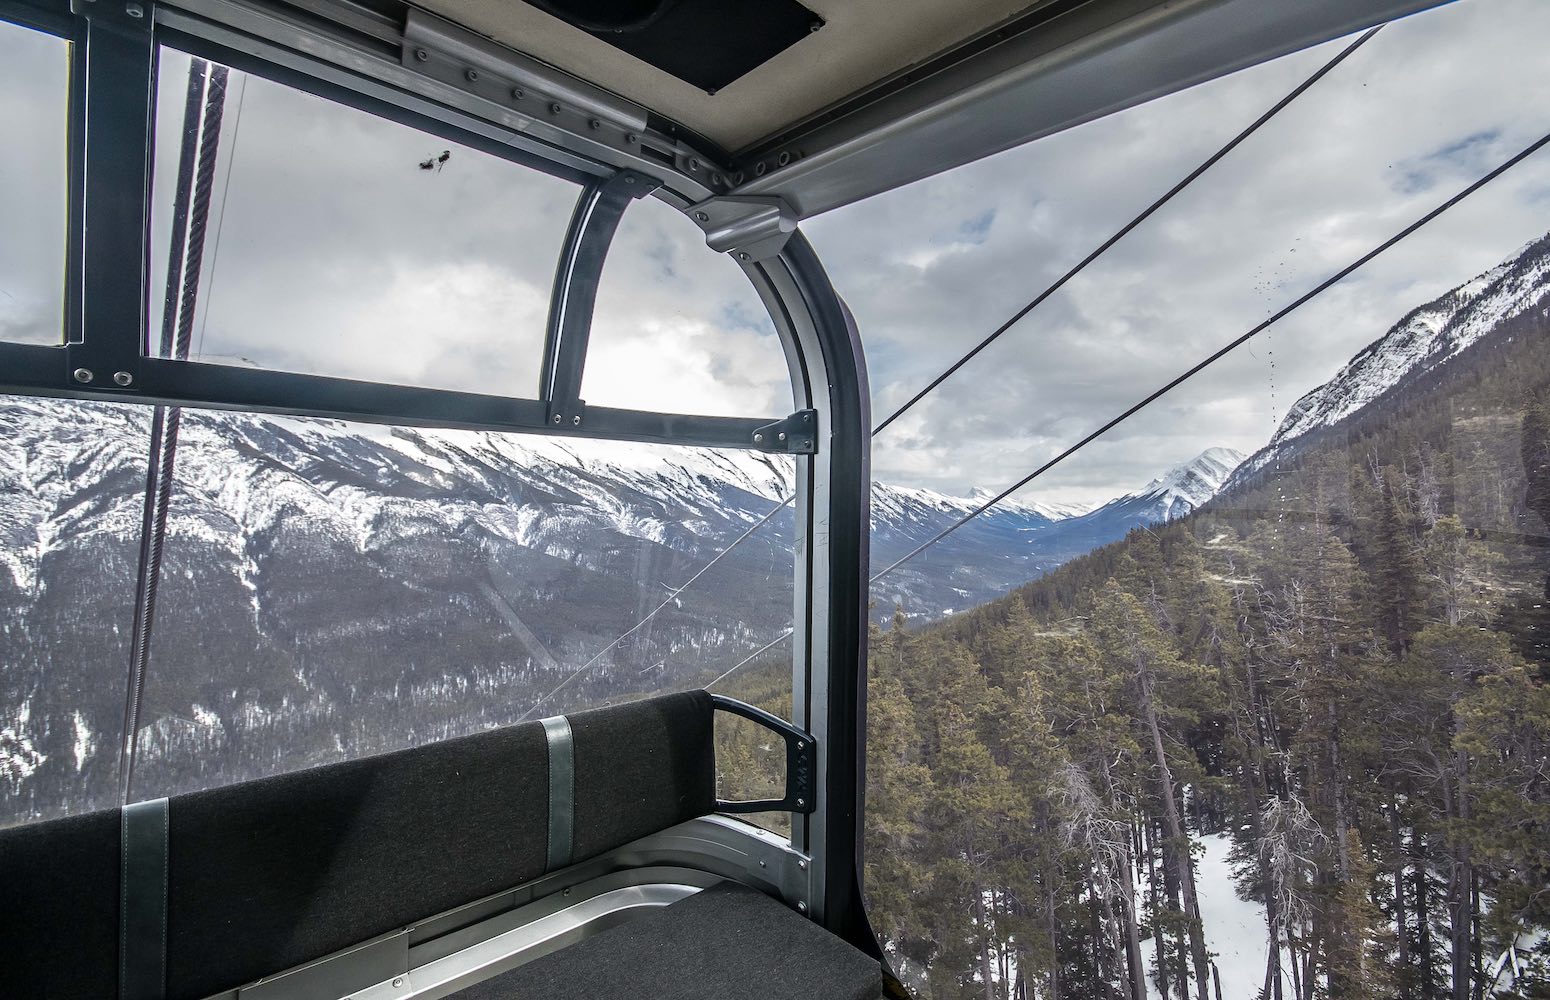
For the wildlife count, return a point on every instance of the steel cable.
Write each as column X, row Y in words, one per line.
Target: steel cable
column 1082, row 265
column 1217, row 355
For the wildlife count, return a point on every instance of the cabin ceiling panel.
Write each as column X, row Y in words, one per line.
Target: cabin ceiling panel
column 862, row 41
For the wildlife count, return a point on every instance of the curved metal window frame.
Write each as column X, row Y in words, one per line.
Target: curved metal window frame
column 357, row 57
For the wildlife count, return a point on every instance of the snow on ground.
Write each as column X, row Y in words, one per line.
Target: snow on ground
column 1235, row 930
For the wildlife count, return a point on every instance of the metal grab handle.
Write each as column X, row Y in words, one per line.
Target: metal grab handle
column 801, row 761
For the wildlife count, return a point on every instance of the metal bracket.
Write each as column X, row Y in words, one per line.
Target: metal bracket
column 750, row 228
column 801, row 761
column 793, row 435
column 132, row 14
column 567, row 414
column 443, row 50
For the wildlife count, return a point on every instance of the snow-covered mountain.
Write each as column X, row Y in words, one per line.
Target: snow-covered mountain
column 1425, row 339
column 333, row 588
column 1013, row 543
column 1181, row 489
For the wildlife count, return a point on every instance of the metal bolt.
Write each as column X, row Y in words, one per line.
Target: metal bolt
column 815, row 26
column 807, row 444
column 781, row 436
column 694, row 164
column 801, row 907
column 82, row 375
column 471, row 75
column 421, row 55
column 702, row 216
column 518, row 93
column 556, row 418
column 123, row 378
column 554, row 108
column 763, row 864
column 801, row 745
column 398, row 981
column 594, row 124
column 802, row 864
column 565, row 893
column 632, row 138
column 576, row 420
column 134, row 10
column 802, row 802
column 743, row 255
column 715, row 178
column 784, row 158
column 807, row 418
column 759, row 168
column 757, row 438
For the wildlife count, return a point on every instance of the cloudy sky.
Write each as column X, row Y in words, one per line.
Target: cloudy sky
column 1427, row 106
column 331, row 251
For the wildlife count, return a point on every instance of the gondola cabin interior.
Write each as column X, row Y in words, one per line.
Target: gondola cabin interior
column 441, row 547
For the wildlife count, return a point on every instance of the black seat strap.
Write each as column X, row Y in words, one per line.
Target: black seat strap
column 562, row 791
column 143, row 901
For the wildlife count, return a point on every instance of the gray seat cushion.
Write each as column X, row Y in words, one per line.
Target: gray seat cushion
column 726, row 942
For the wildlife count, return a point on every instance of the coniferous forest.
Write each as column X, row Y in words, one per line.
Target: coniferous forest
column 1337, row 669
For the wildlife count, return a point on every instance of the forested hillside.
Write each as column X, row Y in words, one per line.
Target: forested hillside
column 1338, row 668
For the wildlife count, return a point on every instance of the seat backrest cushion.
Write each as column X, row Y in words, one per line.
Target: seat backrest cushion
column 266, row 875
column 641, row 767
column 59, row 908
column 269, row 874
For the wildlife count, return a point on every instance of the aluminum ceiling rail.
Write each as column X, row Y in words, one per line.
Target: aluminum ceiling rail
column 1058, row 67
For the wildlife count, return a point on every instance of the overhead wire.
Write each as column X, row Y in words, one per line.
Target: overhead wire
column 1032, row 304
column 1223, row 351
column 1125, row 230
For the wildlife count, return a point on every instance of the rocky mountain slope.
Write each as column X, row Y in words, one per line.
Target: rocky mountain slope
column 1420, row 343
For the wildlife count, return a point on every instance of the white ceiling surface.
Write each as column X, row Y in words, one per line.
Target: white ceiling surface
column 862, row 42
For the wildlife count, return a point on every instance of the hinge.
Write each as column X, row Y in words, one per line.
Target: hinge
column 793, row 435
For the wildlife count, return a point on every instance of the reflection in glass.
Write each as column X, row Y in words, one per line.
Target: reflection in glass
column 72, row 478
column 332, row 590
column 340, row 243
column 34, row 99
column 678, row 328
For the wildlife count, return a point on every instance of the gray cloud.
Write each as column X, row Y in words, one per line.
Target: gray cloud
column 1427, row 106
column 334, row 253
column 34, row 77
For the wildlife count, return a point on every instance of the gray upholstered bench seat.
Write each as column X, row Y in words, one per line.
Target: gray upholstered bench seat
column 728, row 942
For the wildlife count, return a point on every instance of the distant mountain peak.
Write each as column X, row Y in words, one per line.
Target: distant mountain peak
column 1196, row 481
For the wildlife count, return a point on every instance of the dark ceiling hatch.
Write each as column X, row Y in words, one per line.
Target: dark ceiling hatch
column 706, row 43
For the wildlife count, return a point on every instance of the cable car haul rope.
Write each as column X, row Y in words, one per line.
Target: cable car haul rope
column 1129, row 411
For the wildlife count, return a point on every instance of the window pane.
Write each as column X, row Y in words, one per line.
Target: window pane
column 332, row 590
column 34, row 114
column 1265, row 664
column 678, row 327
column 72, row 486
column 340, row 243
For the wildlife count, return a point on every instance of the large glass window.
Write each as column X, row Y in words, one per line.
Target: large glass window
column 331, row 590
column 339, row 243
column 1253, row 687
column 72, row 484
column 678, row 328
column 34, row 114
